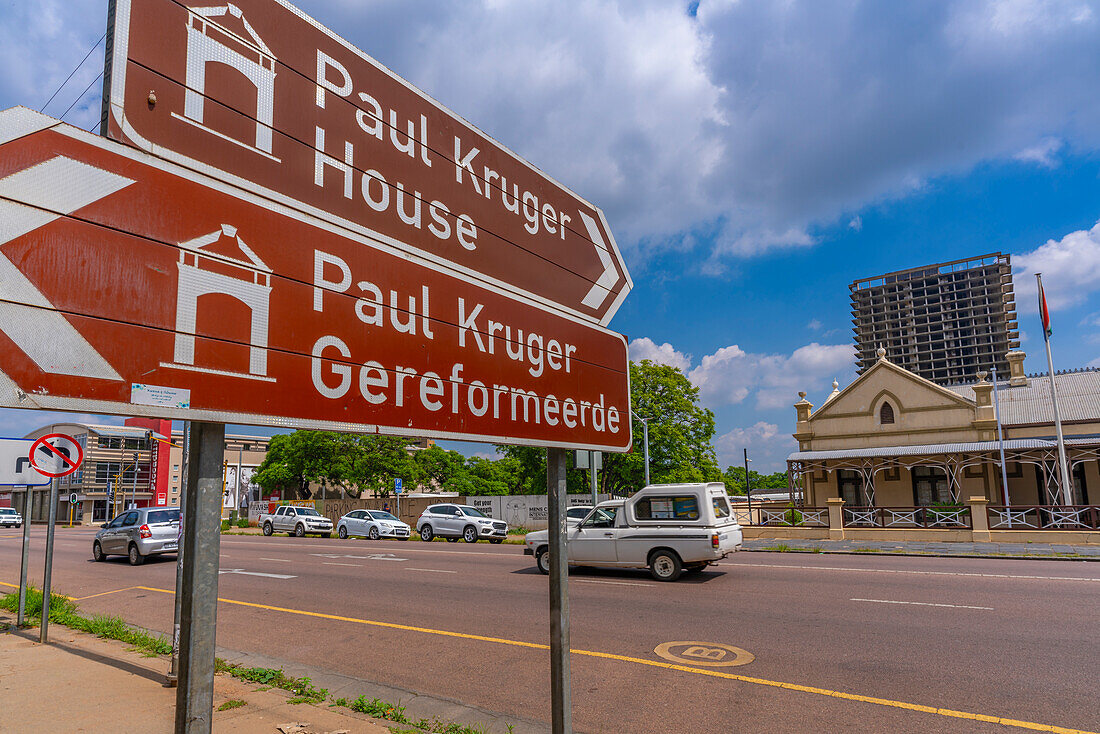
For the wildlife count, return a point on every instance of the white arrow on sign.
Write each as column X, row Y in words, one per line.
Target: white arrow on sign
column 48, row 191
column 599, row 291
column 242, row 572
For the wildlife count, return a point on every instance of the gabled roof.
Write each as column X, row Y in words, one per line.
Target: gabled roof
column 1078, row 398
column 228, row 231
column 885, row 364
column 219, row 11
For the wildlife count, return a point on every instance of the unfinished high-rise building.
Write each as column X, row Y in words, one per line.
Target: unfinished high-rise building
column 945, row 322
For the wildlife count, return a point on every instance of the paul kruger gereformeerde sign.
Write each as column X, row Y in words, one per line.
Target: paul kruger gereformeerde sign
column 257, row 93
column 202, row 301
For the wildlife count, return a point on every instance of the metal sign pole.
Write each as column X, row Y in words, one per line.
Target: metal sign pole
column 174, row 667
column 199, row 593
column 561, row 705
column 47, row 572
column 592, row 476
column 26, row 557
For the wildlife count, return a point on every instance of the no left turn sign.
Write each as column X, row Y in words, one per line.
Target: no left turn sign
column 56, row 455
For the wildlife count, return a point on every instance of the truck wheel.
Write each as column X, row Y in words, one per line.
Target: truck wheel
column 267, row 529
column 542, row 560
column 136, row 559
column 426, row 533
column 469, row 534
column 299, row 531
column 665, row 565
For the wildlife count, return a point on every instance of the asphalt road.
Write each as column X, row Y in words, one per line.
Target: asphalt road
column 910, row 644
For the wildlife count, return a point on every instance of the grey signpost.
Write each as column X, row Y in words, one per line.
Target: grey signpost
column 561, row 703
column 47, row 572
column 173, row 669
column 26, row 558
column 199, row 590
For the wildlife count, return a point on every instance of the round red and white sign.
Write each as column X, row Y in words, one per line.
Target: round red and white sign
column 56, row 455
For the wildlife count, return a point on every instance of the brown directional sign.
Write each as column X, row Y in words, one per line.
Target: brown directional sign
column 256, row 93
column 133, row 286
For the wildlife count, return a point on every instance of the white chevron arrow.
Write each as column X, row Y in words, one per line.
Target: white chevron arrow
column 48, row 191
column 600, row 290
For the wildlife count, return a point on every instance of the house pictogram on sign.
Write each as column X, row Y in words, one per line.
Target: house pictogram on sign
column 213, row 43
column 202, row 273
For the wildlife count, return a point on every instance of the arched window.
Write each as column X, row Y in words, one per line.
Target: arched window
column 886, row 414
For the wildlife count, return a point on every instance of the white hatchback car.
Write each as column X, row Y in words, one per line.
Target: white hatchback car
column 373, row 524
column 459, row 521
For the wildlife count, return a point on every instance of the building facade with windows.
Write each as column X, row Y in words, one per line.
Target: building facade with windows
column 945, row 322
column 895, row 439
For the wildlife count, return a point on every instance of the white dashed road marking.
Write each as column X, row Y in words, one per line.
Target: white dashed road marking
column 922, row 604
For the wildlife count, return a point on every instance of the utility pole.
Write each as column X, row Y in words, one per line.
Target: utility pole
column 133, row 494
column 173, row 670
column 645, row 442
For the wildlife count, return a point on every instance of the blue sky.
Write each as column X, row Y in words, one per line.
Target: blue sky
column 752, row 158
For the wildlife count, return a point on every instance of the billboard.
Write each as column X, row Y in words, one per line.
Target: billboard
column 259, row 94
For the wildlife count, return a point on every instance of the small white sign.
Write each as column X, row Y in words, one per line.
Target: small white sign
column 160, row 397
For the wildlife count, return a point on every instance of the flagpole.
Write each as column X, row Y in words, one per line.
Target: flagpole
column 1063, row 471
column 1000, row 437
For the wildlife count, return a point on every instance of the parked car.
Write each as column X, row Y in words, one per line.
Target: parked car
column 297, row 521
column 668, row 528
column 140, row 533
column 459, row 521
column 373, row 524
column 9, row 518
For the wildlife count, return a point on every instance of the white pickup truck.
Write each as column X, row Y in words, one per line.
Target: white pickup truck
column 668, row 528
column 294, row 520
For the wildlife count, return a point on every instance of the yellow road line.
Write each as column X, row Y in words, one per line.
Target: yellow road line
column 950, row 713
column 103, row 593
column 54, row 593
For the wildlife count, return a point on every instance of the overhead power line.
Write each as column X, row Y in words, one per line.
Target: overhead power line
column 71, row 73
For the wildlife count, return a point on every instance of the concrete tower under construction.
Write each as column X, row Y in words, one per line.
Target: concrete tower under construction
column 945, row 322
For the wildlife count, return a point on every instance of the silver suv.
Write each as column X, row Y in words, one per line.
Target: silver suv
column 459, row 521
column 139, row 533
column 9, row 518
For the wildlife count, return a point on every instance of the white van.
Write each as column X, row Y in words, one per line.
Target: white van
column 668, row 528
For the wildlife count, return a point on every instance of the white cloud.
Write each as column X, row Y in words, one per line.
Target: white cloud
column 814, row 325
column 1045, row 153
column 1070, row 268
column 768, row 447
column 731, row 374
column 856, row 223
column 646, row 348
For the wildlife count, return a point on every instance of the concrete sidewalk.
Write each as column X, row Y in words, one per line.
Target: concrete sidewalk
column 80, row 683
column 1032, row 551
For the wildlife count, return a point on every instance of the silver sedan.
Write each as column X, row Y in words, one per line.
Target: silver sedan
column 373, row 524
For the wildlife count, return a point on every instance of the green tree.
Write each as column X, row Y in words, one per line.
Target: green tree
column 376, row 461
column 681, row 433
column 735, row 480
column 296, row 460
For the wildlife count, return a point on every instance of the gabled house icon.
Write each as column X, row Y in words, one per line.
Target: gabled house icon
column 210, row 42
column 203, row 273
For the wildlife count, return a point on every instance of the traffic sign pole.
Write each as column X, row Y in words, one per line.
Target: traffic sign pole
column 47, row 572
column 26, row 558
column 199, row 593
column 561, row 699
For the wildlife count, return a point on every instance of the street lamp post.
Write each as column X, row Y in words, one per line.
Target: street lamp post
column 748, row 484
column 645, row 442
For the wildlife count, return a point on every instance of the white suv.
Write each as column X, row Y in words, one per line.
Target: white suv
column 9, row 518
column 459, row 521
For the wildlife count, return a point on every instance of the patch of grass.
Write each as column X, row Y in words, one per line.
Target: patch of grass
column 235, row 703
column 302, row 689
column 866, row 550
column 781, row 548
column 243, row 522
column 817, row 550
column 65, row 612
